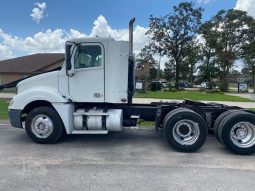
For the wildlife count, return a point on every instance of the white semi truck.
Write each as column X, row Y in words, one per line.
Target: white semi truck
column 92, row 94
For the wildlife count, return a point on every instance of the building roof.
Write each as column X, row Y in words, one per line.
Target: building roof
column 30, row 64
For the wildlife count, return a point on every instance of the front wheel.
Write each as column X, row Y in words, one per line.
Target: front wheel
column 43, row 125
column 185, row 130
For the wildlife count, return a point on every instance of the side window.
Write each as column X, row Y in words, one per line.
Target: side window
column 88, row 56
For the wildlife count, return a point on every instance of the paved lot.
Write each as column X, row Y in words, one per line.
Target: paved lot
column 130, row 160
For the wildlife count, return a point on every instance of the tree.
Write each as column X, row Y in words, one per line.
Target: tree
column 169, row 71
column 246, row 71
column 155, row 74
column 171, row 35
column 208, row 69
column 145, row 57
column 249, row 69
column 231, row 29
column 188, row 65
column 249, row 55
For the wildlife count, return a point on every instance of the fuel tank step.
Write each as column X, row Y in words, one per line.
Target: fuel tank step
column 91, row 132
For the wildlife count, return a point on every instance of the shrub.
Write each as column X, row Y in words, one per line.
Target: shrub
column 223, row 86
column 214, row 91
column 202, row 90
column 181, row 88
column 155, row 86
column 172, row 90
column 211, row 85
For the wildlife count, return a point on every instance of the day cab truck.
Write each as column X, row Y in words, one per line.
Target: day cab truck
column 92, row 94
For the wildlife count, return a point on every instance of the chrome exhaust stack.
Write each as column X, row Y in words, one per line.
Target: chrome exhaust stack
column 131, row 29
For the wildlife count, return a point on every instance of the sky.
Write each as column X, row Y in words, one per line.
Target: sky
column 37, row 26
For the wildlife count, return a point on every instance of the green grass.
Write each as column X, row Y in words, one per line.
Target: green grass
column 3, row 109
column 145, row 123
column 192, row 95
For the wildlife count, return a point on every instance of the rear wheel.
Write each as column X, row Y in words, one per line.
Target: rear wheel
column 43, row 125
column 185, row 130
column 223, row 121
column 238, row 133
column 220, row 119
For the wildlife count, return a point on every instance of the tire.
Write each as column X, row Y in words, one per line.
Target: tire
column 223, row 121
column 185, row 130
column 242, row 143
column 44, row 126
column 219, row 120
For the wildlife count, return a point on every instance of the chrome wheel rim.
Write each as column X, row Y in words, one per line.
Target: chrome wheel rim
column 42, row 126
column 242, row 134
column 186, row 132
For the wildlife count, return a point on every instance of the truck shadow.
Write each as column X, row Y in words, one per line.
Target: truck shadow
column 135, row 136
column 133, row 139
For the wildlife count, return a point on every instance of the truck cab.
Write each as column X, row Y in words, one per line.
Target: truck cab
column 86, row 96
column 98, row 71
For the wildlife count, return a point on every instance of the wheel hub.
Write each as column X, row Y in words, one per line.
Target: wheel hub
column 42, row 126
column 183, row 129
column 186, row 132
column 243, row 134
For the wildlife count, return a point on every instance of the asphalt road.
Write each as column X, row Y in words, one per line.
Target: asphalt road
column 130, row 160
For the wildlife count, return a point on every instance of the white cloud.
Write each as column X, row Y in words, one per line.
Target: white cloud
column 38, row 12
column 54, row 40
column 75, row 34
column 204, row 1
column 246, row 5
column 102, row 28
column 200, row 39
column 5, row 52
column 140, row 39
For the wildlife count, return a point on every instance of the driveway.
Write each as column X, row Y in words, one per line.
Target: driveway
column 7, row 95
column 250, row 96
column 129, row 160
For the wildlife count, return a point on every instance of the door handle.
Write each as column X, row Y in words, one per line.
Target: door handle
column 71, row 73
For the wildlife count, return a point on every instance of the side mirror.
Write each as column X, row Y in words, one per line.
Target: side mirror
column 68, row 57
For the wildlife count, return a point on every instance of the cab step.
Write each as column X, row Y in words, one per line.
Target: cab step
column 90, row 132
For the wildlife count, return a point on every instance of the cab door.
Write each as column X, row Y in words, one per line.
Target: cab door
column 86, row 84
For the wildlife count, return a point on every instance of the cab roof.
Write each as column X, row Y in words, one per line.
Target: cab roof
column 92, row 39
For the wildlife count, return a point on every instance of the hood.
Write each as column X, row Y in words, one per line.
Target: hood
column 49, row 79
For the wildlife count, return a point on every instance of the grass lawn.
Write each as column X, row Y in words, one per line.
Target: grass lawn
column 3, row 109
column 192, row 95
column 145, row 123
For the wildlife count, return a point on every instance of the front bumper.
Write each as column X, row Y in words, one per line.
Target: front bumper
column 15, row 117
